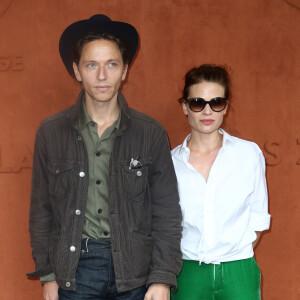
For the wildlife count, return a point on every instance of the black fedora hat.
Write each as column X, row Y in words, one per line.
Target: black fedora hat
column 95, row 24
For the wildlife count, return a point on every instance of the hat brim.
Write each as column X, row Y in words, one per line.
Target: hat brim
column 77, row 30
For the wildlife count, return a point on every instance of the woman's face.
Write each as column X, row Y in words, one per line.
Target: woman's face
column 206, row 121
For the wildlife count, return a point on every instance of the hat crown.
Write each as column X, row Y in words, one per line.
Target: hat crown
column 100, row 18
column 97, row 24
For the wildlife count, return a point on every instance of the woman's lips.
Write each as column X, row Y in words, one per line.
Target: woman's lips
column 207, row 121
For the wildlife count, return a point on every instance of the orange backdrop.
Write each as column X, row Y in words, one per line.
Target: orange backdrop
column 258, row 39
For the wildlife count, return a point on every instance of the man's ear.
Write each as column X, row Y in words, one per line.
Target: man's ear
column 124, row 72
column 76, row 72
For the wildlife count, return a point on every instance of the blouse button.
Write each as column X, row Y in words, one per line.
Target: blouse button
column 139, row 173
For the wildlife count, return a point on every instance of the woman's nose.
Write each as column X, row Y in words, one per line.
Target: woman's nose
column 207, row 110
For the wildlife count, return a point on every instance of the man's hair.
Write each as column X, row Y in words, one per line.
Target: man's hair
column 90, row 37
column 209, row 73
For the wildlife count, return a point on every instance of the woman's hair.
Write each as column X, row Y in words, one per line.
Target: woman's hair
column 209, row 73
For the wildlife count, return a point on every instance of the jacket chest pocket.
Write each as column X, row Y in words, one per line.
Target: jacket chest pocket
column 61, row 178
column 135, row 180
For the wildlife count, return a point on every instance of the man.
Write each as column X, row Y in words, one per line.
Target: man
column 105, row 220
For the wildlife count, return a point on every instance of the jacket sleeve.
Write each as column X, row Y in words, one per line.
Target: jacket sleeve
column 41, row 215
column 166, row 215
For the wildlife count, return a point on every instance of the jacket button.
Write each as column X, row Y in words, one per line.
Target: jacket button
column 77, row 212
column 72, row 248
column 98, row 153
column 79, row 138
column 68, row 284
column 139, row 173
column 105, row 233
column 81, row 174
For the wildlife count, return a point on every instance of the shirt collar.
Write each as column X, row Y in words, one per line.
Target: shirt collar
column 183, row 146
column 227, row 139
column 74, row 112
column 85, row 118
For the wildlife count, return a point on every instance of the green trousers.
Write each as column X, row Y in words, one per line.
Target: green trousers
column 235, row 280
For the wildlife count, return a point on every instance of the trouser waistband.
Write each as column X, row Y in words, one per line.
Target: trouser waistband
column 88, row 244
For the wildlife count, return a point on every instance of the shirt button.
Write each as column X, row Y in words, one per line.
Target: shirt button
column 98, row 182
column 72, row 248
column 105, row 233
column 68, row 284
column 79, row 138
column 81, row 174
column 56, row 171
column 99, row 211
column 98, row 153
column 77, row 212
column 139, row 173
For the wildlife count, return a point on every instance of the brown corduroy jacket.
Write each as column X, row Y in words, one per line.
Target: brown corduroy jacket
column 144, row 212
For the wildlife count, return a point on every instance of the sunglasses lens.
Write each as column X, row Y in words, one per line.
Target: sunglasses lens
column 196, row 105
column 218, row 104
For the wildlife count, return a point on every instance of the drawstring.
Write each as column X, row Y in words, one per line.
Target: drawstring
column 214, row 274
column 222, row 271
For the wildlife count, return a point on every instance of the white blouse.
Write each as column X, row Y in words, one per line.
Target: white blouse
column 220, row 216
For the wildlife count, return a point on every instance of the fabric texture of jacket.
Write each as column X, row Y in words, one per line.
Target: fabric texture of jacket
column 144, row 212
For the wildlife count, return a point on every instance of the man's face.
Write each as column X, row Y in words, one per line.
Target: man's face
column 100, row 70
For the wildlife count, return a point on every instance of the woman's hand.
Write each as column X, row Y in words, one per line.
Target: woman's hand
column 258, row 233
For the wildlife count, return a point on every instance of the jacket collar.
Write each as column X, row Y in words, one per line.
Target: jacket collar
column 73, row 115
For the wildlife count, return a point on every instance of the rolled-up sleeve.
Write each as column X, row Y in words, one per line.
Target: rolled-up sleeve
column 260, row 218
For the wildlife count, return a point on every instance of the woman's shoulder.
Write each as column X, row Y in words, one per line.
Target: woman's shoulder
column 242, row 144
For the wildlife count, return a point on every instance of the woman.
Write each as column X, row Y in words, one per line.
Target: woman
column 223, row 196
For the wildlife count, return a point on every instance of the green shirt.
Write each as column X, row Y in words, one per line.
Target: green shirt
column 96, row 224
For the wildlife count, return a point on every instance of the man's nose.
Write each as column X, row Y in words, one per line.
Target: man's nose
column 102, row 73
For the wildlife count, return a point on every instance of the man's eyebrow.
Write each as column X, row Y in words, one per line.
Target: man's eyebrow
column 88, row 60
column 96, row 61
column 114, row 59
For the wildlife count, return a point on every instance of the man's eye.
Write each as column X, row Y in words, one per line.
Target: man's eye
column 90, row 65
column 112, row 64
